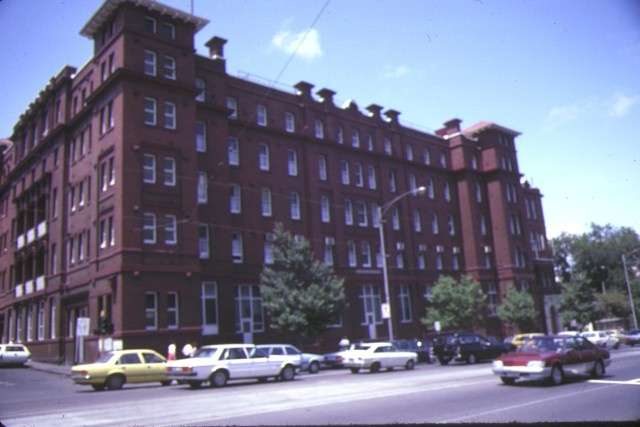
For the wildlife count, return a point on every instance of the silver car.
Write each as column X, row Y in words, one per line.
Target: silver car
column 14, row 354
column 308, row 362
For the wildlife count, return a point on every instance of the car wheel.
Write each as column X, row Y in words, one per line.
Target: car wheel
column 598, row 370
column 314, row 367
column 375, row 367
column 557, row 375
column 218, row 378
column 355, row 370
column 165, row 383
column 115, row 382
column 98, row 387
column 194, row 384
column 287, row 373
column 508, row 381
column 443, row 361
column 472, row 359
column 409, row 365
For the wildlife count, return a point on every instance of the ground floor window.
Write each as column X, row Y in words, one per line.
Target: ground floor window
column 249, row 312
column 370, row 297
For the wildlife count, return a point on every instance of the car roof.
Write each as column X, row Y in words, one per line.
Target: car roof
column 228, row 345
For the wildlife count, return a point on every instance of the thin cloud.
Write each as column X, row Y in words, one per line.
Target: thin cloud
column 562, row 114
column 397, row 72
column 305, row 44
column 620, row 104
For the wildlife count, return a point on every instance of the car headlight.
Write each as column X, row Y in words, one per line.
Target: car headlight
column 497, row 364
column 536, row 364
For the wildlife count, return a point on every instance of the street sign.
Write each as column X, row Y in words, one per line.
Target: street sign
column 386, row 311
column 83, row 326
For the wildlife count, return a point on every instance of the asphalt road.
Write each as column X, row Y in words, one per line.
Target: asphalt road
column 429, row 394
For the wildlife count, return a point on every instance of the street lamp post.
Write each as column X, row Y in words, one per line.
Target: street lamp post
column 626, row 279
column 385, row 273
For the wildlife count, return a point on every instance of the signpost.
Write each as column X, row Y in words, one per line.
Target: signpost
column 83, row 325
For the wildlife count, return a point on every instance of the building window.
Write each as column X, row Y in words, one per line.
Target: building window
column 232, row 104
column 170, row 230
column 169, row 68
column 387, row 146
column 249, row 313
column 106, row 118
column 413, row 184
column 370, row 143
column 408, row 151
column 375, row 219
column 395, row 218
column 150, row 24
column 265, row 202
column 325, row 216
column 361, row 214
column 348, row 212
column 355, row 139
column 443, row 160
column 431, row 193
column 200, row 86
column 150, row 310
column 295, row 205
column 392, row 181
column 344, row 171
column 452, row 226
column 150, row 111
column 329, row 244
column 351, row 253
column 268, row 248
column 365, row 254
column 435, row 228
column 169, row 171
column 203, row 188
column 209, row 308
column 261, row 115
column 236, row 248
column 233, row 151
column 455, row 260
column 447, row 191
column 40, row 322
column 492, row 298
column 422, row 256
column 478, row 193
column 371, row 304
column 263, row 157
column 404, row 304
column 203, row 241
column 400, row 255
column 169, row 115
column 318, row 129
column 371, row 172
column 201, row 137
column 235, row 198
column 292, row 163
column 474, row 162
column 172, row 310
column 483, row 226
column 149, row 63
column 340, row 135
column 169, row 31
column 359, row 175
column 322, row 167
column 148, row 170
column 417, row 222
column 149, row 228
column 289, row 122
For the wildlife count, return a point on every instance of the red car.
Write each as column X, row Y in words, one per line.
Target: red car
column 551, row 358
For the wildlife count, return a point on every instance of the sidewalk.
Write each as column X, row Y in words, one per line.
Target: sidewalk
column 60, row 369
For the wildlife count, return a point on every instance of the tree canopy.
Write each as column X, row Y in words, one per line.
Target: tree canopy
column 301, row 295
column 456, row 304
column 518, row 309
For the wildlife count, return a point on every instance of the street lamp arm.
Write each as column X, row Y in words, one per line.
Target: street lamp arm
column 384, row 208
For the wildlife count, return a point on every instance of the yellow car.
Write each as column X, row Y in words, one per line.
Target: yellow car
column 116, row 368
column 520, row 339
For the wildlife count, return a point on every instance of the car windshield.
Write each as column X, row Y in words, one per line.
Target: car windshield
column 542, row 344
column 205, row 352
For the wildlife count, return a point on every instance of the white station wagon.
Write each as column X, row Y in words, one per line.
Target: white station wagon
column 376, row 356
column 217, row 364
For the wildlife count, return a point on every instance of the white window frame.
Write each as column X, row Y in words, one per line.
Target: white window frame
column 289, row 122
column 148, row 169
column 232, row 104
column 149, row 227
column 318, row 129
column 201, row 137
column 150, row 112
column 210, row 318
column 170, row 116
column 235, row 199
column 203, row 188
column 322, row 167
column 261, row 115
column 233, row 151
column 151, row 311
column 173, row 310
column 344, row 172
column 169, row 67
column 295, row 205
column 170, row 230
column 169, row 164
column 203, row 241
column 266, row 207
column 325, row 213
column 150, row 63
column 237, row 253
column 263, row 157
column 348, row 212
column 292, row 162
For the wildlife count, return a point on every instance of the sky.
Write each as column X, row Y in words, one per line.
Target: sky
column 563, row 73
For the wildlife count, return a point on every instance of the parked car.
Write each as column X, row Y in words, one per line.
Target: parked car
column 468, row 347
column 520, row 339
column 14, row 354
column 218, row 364
column 336, row 358
column 423, row 348
column 632, row 337
column 602, row 339
column 116, row 368
column 376, row 356
column 552, row 358
column 307, row 362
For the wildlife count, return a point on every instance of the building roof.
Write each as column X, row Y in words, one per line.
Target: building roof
column 109, row 6
column 486, row 125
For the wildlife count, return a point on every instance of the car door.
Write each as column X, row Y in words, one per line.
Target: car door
column 573, row 357
column 156, row 367
column 237, row 362
column 132, row 367
column 588, row 353
column 262, row 365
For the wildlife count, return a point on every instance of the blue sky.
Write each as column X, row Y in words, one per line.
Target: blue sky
column 566, row 74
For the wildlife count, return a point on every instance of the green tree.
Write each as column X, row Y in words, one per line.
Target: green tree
column 301, row 295
column 577, row 304
column 456, row 305
column 518, row 309
column 612, row 304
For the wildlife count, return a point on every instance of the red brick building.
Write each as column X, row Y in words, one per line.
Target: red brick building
column 145, row 186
